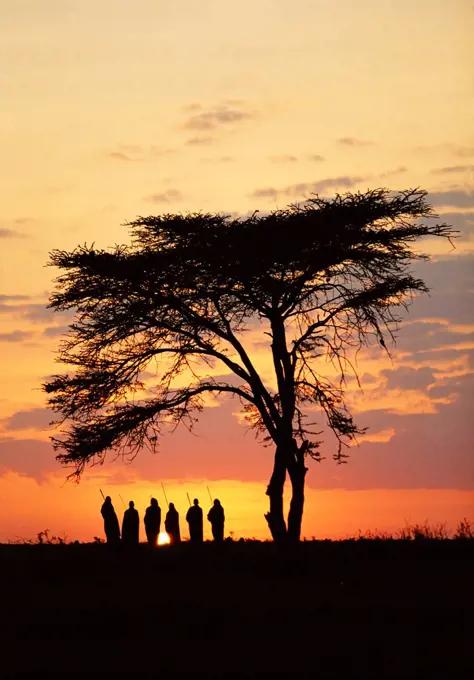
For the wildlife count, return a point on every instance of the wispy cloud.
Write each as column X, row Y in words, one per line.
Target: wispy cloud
column 305, row 189
column 200, row 141
column 135, row 153
column 192, row 108
column 459, row 151
column 454, row 197
column 452, row 280
column 119, row 156
column 35, row 418
column 40, row 312
column 395, row 171
column 55, row 331
column 14, row 298
column 284, row 158
column 15, row 336
column 223, row 115
column 24, row 220
column 11, row 233
column 352, row 141
column 463, row 221
column 453, row 169
column 316, row 158
column 169, row 196
column 465, row 151
column 33, row 311
column 408, row 378
column 31, row 457
column 221, row 159
column 268, row 192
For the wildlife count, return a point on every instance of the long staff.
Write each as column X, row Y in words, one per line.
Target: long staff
column 212, row 501
column 164, row 493
column 122, row 501
column 189, row 500
column 102, row 494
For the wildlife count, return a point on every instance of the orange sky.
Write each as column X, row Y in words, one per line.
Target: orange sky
column 116, row 109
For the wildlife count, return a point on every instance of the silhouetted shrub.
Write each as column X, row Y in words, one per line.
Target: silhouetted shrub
column 464, row 530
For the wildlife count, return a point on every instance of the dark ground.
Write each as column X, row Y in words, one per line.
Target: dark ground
column 369, row 609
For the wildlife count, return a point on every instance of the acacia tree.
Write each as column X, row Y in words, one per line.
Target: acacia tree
column 321, row 279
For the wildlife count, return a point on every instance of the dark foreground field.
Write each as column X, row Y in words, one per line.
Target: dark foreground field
column 369, row 609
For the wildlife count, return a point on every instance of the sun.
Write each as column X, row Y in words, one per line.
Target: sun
column 163, row 538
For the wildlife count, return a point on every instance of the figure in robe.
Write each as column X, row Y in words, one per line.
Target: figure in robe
column 172, row 524
column 130, row 525
column 217, row 518
column 111, row 523
column 194, row 519
column 152, row 522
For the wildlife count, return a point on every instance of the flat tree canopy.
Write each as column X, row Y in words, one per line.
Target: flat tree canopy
column 321, row 279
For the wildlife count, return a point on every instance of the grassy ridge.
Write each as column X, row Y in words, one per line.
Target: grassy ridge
column 358, row 608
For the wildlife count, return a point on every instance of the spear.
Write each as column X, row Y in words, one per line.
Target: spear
column 164, row 493
column 102, row 494
column 189, row 500
column 122, row 500
column 209, row 494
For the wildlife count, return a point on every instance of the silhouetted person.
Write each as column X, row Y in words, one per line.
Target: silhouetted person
column 130, row 525
column 194, row 519
column 111, row 523
column 152, row 522
column 172, row 524
column 216, row 518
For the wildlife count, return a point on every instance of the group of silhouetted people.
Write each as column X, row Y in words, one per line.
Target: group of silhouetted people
column 152, row 521
column 215, row 517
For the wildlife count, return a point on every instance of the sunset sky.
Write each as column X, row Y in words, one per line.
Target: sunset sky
column 113, row 109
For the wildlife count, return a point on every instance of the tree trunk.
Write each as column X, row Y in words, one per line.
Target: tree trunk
column 275, row 518
column 297, row 472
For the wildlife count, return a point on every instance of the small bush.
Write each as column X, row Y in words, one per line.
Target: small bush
column 374, row 535
column 423, row 531
column 464, row 530
column 43, row 538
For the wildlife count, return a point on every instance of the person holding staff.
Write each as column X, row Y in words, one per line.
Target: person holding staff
column 172, row 525
column 111, row 523
column 194, row 519
column 152, row 522
column 130, row 526
column 216, row 518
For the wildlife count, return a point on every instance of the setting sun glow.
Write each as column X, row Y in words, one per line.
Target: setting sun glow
column 163, row 538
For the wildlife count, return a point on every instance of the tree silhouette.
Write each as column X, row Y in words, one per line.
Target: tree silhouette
column 320, row 279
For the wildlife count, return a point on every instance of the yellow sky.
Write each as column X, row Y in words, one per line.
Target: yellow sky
column 73, row 511
column 113, row 109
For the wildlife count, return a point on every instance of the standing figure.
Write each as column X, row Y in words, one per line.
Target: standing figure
column 152, row 522
column 216, row 518
column 194, row 519
column 130, row 525
column 172, row 524
column 111, row 524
